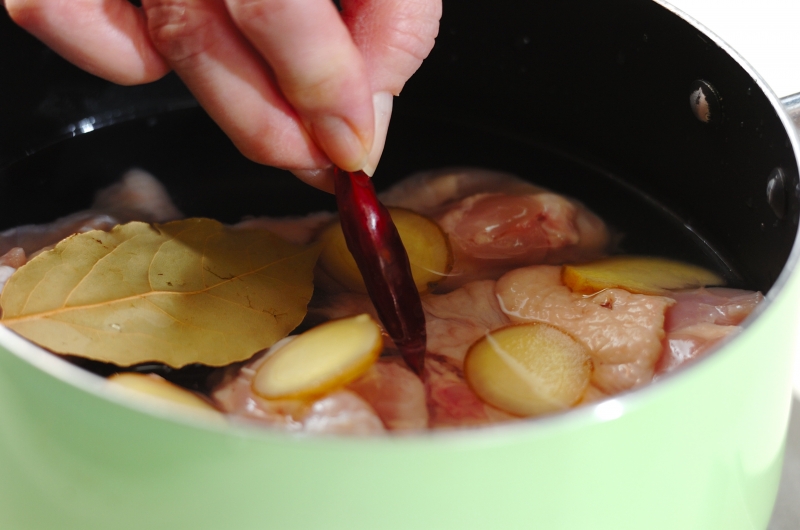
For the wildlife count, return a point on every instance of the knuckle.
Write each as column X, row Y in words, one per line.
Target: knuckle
column 280, row 148
column 404, row 50
column 309, row 93
column 396, row 37
column 325, row 86
column 180, row 29
column 413, row 34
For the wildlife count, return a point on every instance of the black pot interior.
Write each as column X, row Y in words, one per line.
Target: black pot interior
column 588, row 98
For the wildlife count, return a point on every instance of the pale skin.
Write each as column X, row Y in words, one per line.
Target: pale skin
column 295, row 84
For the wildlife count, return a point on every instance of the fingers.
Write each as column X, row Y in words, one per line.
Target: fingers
column 318, row 69
column 293, row 83
column 323, row 178
column 327, row 68
column 231, row 81
column 107, row 38
column 394, row 36
column 382, row 103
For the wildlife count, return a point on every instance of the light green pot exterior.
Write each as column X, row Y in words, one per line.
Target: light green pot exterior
column 699, row 450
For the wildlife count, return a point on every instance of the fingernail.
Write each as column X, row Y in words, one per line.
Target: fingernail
column 319, row 178
column 382, row 103
column 340, row 142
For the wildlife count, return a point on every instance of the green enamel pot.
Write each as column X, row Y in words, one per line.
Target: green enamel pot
column 585, row 97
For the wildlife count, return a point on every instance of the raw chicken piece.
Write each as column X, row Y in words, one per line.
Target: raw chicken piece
column 496, row 222
column 451, row 402
column 457, row 319
column 592, row 395
column 622, row 331
column 298, row 230
column 496, row 226
column 138, row 196
column 340, row 412
column 721, row 306
column 14, row 258
column 395, row 393
column 9, row 263
column 699, row 319
column 33, row 238
column 432, row 192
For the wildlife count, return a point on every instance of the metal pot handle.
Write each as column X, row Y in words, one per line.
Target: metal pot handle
column 792, row 105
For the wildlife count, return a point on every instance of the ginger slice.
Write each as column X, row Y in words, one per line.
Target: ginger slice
column 528, row 369
column 320, row 360
column 638, row 275
column 428, row 248
column 156, row 386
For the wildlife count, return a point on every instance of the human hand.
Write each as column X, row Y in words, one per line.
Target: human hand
column 294, row 83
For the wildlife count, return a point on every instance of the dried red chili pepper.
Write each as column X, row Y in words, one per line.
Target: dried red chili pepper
column 381, row 257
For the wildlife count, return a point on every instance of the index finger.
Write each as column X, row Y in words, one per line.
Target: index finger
column 319, row 70
column 108, row 39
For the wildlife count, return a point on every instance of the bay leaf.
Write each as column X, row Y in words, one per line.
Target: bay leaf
column 189, row 291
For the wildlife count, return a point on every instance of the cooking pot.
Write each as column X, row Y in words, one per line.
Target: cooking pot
column 590, row 98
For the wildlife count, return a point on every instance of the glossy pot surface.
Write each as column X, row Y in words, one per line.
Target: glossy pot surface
column 588, row 98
